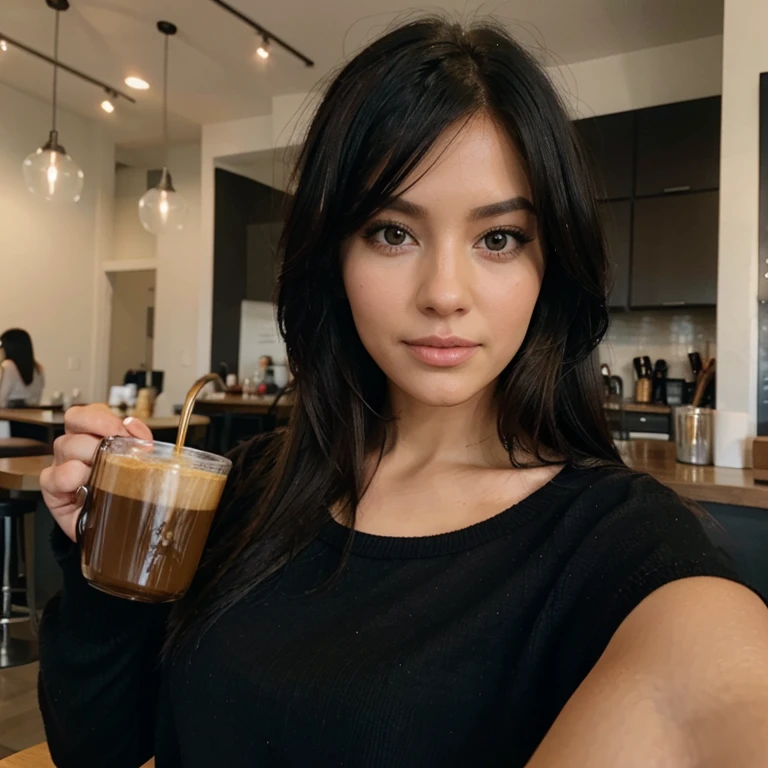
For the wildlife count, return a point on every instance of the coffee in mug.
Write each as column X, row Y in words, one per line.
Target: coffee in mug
column 146, row 517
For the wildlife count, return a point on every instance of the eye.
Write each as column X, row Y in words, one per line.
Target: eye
column 389, row 237
column 496, row 241
column 502, row 242
column 394, row 235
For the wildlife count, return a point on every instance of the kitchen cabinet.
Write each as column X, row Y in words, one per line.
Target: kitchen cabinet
column 678, row 147
column 616, row 219
column 609, row 141
column 674, row 251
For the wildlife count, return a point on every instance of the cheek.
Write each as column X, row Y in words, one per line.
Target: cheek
column 509, row 304
column 373, row 292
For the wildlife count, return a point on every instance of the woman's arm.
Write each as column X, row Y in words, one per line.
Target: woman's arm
column 5, row 382
column 99, row 672
column 683, row 683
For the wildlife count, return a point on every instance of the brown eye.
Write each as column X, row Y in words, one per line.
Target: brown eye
column 394, row 235
column 496, row 241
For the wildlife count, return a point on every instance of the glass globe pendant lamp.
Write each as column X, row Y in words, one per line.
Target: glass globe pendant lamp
column 50, row 172
column 162, row 208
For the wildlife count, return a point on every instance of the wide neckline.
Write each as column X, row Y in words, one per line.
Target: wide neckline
column 451, row 542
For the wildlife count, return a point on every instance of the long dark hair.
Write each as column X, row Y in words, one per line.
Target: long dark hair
column 378, row 119
column 17, row 345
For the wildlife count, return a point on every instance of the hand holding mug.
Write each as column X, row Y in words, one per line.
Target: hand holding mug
column 73, row 455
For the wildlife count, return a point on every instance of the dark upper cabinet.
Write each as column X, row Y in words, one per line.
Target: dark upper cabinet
column 608, row 141
column 616, row 218
column 674, row 259
column 678, row 147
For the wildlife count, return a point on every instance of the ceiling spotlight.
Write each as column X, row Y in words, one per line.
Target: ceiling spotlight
column 137, row 83
column 263, row 50
column 3, row 46
column 108, row 106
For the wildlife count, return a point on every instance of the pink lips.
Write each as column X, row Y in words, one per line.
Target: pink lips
column 442, row 351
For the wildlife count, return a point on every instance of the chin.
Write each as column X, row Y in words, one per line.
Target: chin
column 443, row 390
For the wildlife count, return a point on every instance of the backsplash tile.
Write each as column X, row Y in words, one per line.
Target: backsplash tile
column 662, row 333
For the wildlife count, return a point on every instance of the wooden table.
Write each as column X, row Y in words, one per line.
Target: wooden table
column 22, row 473
column 717, row 484
column 631, row 407
column 50, row 424
column 226, row 409
column 254, row 405
column 38, row 757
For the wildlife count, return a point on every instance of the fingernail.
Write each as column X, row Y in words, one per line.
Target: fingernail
column 127, row 422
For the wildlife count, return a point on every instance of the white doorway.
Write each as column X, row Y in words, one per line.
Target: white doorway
column 132, row 329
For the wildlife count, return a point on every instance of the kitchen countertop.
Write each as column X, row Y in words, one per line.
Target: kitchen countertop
column 628, row 405
column 717, row 484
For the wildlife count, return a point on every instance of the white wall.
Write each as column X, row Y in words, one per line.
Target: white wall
column 131, row 240
column 745, row 56
column 50, row 277
column 646, row 78
column 180, row 283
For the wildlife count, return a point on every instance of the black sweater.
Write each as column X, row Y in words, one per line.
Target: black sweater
column 450, row 650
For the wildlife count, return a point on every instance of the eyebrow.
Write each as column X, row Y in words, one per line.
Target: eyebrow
column 518, row 203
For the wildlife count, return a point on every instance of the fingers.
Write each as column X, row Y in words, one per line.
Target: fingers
column 137, row 428
column 99, row 420
column 74, row 447
column 60, row 481
column 93, row 420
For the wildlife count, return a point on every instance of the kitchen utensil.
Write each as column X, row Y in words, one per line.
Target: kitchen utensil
column 643, row 390
column 659, row 390
column 696, row 365
column 616, row 387
column 694, row 433
column 704, row 378
column 638, row 364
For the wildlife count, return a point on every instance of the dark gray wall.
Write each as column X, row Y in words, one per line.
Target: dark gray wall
column 248, row 219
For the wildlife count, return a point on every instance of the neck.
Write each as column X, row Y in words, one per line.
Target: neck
column 463, row 433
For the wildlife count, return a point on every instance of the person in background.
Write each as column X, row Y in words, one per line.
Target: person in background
column 21, row 377
column 442, row 561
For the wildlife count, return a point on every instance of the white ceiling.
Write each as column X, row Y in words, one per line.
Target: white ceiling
column 215, row 76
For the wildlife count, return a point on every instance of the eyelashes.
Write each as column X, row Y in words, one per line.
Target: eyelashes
column 498, row 243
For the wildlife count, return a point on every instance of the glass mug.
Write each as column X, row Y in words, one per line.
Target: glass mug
column 146, row 516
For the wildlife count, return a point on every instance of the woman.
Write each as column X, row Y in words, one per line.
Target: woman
column 441, row 294
column 21, row 377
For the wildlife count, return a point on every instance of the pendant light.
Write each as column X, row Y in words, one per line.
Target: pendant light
column 50, row 172
column 162, row 208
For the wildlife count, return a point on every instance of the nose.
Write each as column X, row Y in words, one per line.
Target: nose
column 444, row 286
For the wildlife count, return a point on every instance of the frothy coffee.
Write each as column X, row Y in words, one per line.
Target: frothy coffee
column 147, row 520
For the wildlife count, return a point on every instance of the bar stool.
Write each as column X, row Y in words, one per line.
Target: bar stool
column 22, row 446
column 15, row 651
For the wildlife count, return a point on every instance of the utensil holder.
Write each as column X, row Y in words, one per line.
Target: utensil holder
column 694, row 434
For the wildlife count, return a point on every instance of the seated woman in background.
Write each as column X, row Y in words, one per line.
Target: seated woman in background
column 21, row 376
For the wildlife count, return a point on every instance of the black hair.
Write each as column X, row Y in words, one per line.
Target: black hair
column 17, row 346
column 379, row 118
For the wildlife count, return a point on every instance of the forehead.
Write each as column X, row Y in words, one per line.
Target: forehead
column 474, row 162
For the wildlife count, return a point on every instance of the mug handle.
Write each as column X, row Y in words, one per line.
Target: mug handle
column 82, row 494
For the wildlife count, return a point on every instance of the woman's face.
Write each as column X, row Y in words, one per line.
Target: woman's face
column 443, row 281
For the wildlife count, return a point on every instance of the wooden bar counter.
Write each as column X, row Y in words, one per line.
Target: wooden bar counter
column 721, row 485
column 38, row 757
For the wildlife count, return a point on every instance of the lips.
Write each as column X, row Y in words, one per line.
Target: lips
column 442, row 351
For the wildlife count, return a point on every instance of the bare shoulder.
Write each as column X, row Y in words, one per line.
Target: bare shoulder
column 683, row 682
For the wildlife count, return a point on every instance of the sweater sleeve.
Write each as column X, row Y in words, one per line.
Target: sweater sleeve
column 100, row 667
column 99, row 671
column 630, row 544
